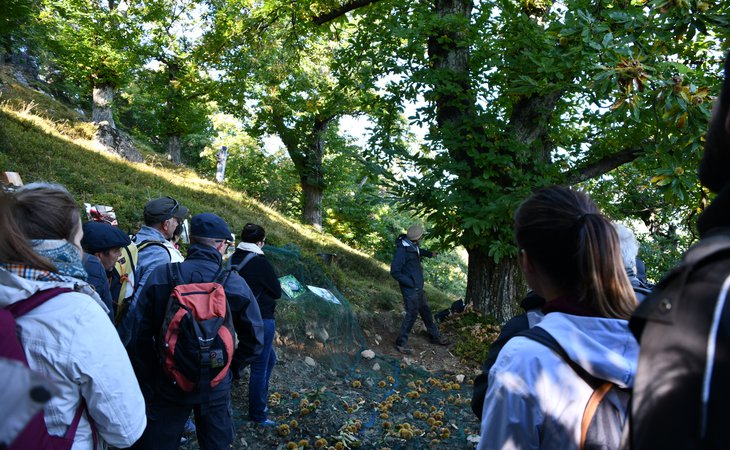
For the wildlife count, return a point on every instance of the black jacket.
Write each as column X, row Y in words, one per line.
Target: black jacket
column 406, row 266
column 262, row 279
column 674, row 326
column 532, row 303
column 201, row 265
column 99, row 279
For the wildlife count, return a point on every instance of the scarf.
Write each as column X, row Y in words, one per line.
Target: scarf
column 30, row 273
column 64, row 255
column 250, row 247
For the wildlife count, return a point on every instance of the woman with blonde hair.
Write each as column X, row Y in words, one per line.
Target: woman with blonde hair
column 569, row 254
column 67, row 336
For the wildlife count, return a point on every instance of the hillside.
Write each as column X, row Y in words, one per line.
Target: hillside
column 44, row 140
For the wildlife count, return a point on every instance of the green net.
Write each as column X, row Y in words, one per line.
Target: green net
column 341, row 396
column 313, row 317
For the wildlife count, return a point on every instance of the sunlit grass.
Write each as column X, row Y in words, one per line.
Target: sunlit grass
column 43, row 140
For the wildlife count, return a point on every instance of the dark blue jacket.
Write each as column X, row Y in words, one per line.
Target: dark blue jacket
column 201, row 266
column 406, row 265
column 99, row 279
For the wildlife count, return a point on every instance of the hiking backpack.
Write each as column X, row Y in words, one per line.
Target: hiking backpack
column 605, row 416
column 197, row 335
column 35, row 433
column 125, row 268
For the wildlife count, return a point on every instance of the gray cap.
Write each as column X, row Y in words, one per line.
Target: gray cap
column 163, row 208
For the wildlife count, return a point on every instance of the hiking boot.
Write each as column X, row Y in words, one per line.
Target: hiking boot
column 404, row 349
column 440, row 340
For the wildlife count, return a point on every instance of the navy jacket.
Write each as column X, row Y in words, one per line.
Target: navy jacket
column 201, row 265
column 406, row 265
column 99, row 279
column 262, row 279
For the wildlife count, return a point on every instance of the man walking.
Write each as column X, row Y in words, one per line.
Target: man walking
column 168, row 404
column 406, row 269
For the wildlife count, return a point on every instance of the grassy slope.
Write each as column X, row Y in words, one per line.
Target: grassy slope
column 43, row 140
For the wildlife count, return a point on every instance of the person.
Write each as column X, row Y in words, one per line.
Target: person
column 264, row 282
column 629, row 251
column 102, row 244
column 406, row 269
column 162, row 216
column 681, row 391
column 569, row 254
column 69, row 338
column 532, row 305
column 96, row 277
column 168, row 406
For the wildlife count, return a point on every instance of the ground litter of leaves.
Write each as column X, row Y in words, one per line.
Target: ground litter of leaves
column 391, row 401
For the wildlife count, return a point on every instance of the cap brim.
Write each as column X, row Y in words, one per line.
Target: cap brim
column 181, row 212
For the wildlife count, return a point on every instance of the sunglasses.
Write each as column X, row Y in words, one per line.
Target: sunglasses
column 174, row 208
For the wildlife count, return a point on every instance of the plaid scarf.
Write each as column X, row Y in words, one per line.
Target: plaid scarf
column 30, row 273
column 62, row 254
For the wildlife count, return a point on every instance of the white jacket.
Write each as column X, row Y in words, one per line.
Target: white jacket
column 535, row 400
column 71, row 341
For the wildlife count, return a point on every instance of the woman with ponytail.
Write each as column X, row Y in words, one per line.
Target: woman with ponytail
column 569, row 254
column 68, row 338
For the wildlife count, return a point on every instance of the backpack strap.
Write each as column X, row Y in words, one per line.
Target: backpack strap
column 23, row 307
column 591, row 409
column 145, row 244
column 600, row 387
column 244, row 261
column 541, row 336
column 174, row 274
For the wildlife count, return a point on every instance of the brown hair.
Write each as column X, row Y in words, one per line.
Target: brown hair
column 577, row 248
column 36, row 211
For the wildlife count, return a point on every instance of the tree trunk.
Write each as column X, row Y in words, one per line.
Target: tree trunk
column 311, row 174
column 101, row 110
column 312, row 214
column 173, row 148
column 220, row 171
column 495, row 289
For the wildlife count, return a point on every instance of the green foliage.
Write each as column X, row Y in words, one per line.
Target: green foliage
column 13, row 24
column 528, row 94
column 94, row 44
column 270, row 178
column 474, row 333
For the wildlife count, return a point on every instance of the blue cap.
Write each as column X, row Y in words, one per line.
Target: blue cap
column 100, row 237
column 209, row 225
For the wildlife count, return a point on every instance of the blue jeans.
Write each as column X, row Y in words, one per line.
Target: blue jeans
column 258, row 384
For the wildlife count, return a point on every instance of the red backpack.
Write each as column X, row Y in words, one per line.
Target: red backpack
column 35, row 434
column 197, row 336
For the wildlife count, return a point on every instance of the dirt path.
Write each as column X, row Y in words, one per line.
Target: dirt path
column 391, row 401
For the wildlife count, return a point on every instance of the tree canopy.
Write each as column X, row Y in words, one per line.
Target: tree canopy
column 608, row 96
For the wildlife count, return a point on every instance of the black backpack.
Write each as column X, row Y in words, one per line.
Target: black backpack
column 605, row 416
